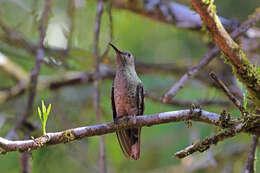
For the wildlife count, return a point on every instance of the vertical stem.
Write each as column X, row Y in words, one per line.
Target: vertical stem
column 25, row 157
column 250, row 165
column 102, row 157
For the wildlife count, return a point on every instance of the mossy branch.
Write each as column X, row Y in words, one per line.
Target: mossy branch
column 235, row 56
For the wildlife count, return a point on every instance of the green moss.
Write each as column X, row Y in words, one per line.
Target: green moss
column 247, row 74
column 208, row 2
column 69, row 136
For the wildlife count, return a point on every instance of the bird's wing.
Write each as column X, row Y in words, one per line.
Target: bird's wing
column 140, row 99
column 113, row 104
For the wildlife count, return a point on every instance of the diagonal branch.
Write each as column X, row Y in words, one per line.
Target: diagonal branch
column 235, row 101
column 235, row 56
column 209, row 57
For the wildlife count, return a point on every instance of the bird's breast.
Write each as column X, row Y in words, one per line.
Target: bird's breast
column 125, row 95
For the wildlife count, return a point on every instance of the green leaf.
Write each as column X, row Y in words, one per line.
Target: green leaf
column 48, row 110
column 40, row 113
column 43, row 108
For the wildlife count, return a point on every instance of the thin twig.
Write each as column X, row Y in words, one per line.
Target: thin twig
column 102, row 156
column 101, row 129
column 221, row 84
column 209, row 57
column 250, row 165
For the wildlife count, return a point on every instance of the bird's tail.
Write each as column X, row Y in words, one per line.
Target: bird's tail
column 130, row 141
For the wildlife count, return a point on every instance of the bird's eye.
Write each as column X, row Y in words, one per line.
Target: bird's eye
column 128, row 55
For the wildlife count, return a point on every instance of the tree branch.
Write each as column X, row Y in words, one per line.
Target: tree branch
column 234, row 100
column 209, row 57
column 242, row 68
column 102, row 154
column 101, row 129
column 250, row 165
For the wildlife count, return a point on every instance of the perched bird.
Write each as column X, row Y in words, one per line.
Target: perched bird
column 127, row 98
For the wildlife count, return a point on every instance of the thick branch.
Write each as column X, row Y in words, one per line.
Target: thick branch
column 243, row 69
column 209, row 57
column 101, row 129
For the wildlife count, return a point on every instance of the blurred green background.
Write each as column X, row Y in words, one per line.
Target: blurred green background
column 149, row 41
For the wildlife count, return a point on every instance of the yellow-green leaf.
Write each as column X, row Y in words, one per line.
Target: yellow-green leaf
column 48, row 110
column 43, row 108
column 40, row 113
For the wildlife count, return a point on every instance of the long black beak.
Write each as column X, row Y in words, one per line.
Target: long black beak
column 116, row 49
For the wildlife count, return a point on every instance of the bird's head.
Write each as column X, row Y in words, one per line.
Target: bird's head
column 123, row 58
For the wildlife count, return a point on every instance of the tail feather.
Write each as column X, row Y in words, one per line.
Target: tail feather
column 130, row 141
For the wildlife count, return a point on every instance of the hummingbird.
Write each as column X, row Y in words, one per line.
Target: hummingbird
column 127, row 98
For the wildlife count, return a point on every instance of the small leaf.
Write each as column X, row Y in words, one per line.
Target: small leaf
column 48, row 110
column 40, row 113
column 43, row 108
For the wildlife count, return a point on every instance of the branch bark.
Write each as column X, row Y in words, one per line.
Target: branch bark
column 101, row 129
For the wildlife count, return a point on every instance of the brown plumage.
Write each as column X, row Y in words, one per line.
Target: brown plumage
column 127, row 98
